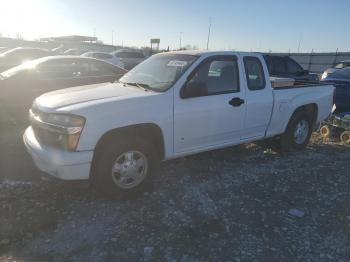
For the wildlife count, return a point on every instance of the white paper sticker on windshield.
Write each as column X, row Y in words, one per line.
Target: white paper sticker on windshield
column 177, row 63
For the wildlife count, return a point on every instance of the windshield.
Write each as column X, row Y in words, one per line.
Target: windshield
column 8, row 52
column 159, row 72
column 342, row 65
column 25, row 66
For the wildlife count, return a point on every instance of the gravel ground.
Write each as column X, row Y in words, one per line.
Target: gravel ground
column 237, row 204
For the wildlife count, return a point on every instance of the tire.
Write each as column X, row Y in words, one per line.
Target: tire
column 345, row 137
column 298, row 132
column 118, row 170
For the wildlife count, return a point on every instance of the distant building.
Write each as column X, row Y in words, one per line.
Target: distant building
column 71, row 39
column 63, row 42
column 87, row 43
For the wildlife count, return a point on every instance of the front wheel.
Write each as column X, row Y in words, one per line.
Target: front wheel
column 125, row 166
column 298, row 132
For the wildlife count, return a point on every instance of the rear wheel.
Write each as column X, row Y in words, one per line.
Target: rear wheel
column 125, row 166
column 298, row 132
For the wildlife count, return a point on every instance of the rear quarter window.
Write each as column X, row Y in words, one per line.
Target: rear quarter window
column 276, row 65
column 254, row 73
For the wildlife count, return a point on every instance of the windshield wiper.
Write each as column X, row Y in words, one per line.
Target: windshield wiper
column 143, row 86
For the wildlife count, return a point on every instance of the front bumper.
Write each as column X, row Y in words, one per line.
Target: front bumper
column 58, row 163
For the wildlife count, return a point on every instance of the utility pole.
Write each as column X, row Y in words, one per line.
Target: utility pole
column 112, row 37
column 180, row 41
column 299, row 43
column 209, row 33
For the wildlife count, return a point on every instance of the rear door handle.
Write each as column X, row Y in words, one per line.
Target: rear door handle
column 236, row 101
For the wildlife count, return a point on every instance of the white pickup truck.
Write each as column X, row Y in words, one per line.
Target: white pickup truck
column 171, row 105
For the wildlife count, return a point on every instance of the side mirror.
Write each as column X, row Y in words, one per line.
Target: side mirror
column 194, row 89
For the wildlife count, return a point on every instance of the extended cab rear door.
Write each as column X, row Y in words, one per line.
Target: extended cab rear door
column 259, row 97
column 209, row 109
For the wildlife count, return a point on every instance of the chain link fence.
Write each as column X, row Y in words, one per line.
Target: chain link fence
column 318, row 62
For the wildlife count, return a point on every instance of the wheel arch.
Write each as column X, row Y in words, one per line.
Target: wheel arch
column 311, row 109
column 149, row 131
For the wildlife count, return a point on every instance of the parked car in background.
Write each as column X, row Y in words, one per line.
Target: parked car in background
column 284, row 66
column 105, row 57
column 20, row 85
column 3, row 49
column 130, row 58
column 19, row 55
column 59, row 49
column 172, row 105
column 338, row 66
column 74, row 51
column 341, row 80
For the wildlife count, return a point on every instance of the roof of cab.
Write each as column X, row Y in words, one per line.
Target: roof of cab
column 208, row 52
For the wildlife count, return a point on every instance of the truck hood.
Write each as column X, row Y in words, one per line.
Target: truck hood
column 81, row 94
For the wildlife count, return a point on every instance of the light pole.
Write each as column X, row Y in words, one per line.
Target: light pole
column 299, row 42
column 180, row 41
column 209, row 33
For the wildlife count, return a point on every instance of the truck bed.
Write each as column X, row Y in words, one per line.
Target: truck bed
column 301, row 84
column 287, row 99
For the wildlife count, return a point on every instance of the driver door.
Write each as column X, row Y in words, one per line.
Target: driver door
column 210, row 110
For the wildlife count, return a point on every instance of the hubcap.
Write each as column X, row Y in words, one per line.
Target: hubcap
column 301, row 132
column 129, row 169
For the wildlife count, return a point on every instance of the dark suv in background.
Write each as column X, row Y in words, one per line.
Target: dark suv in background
column 284, row 66
column 130, row 58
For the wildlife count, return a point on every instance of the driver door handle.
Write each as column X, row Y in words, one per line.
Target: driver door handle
column 236, row 101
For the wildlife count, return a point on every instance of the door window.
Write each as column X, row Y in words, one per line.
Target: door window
column 254, row 73
column 127, row 54
column 121, row 55
column 136, row 55
column 102, row 56
column 98, row 69
column 216, row 76
column 56, row 69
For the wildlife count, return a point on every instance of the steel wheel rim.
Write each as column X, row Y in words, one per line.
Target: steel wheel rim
column 301, row 132
column 129, row 169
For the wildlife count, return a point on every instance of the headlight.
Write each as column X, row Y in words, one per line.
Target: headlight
column 63, row 130
column 324, row 75
column 69, row 124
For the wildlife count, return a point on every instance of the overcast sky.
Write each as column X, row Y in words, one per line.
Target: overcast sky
column 241, row 25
